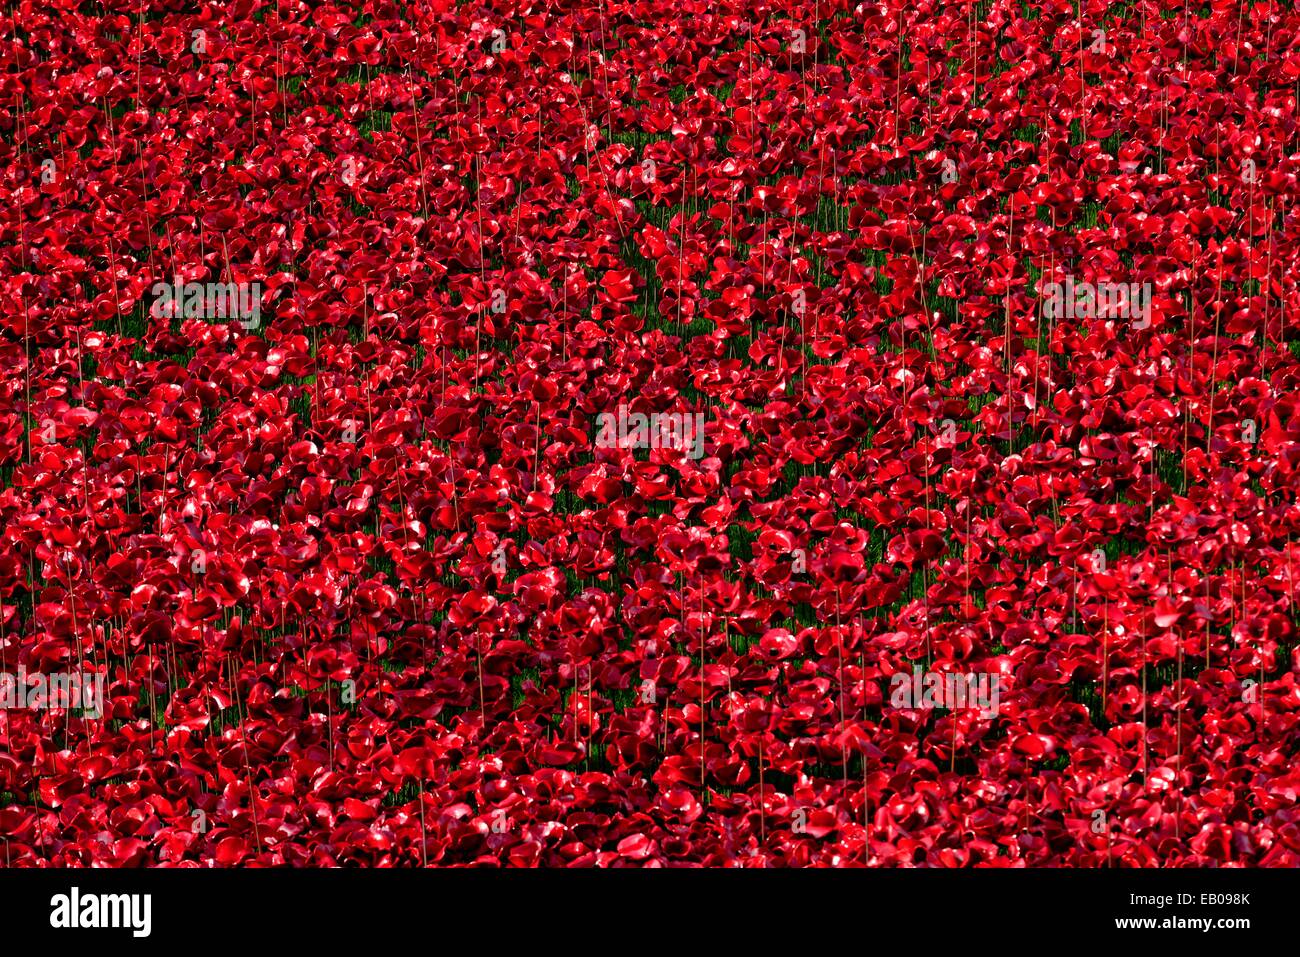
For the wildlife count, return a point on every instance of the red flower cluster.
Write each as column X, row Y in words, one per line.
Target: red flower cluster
column 352, row 361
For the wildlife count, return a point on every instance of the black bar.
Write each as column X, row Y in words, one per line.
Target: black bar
column 691, row 907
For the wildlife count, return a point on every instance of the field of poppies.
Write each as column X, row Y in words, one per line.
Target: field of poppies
column 771, row 433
